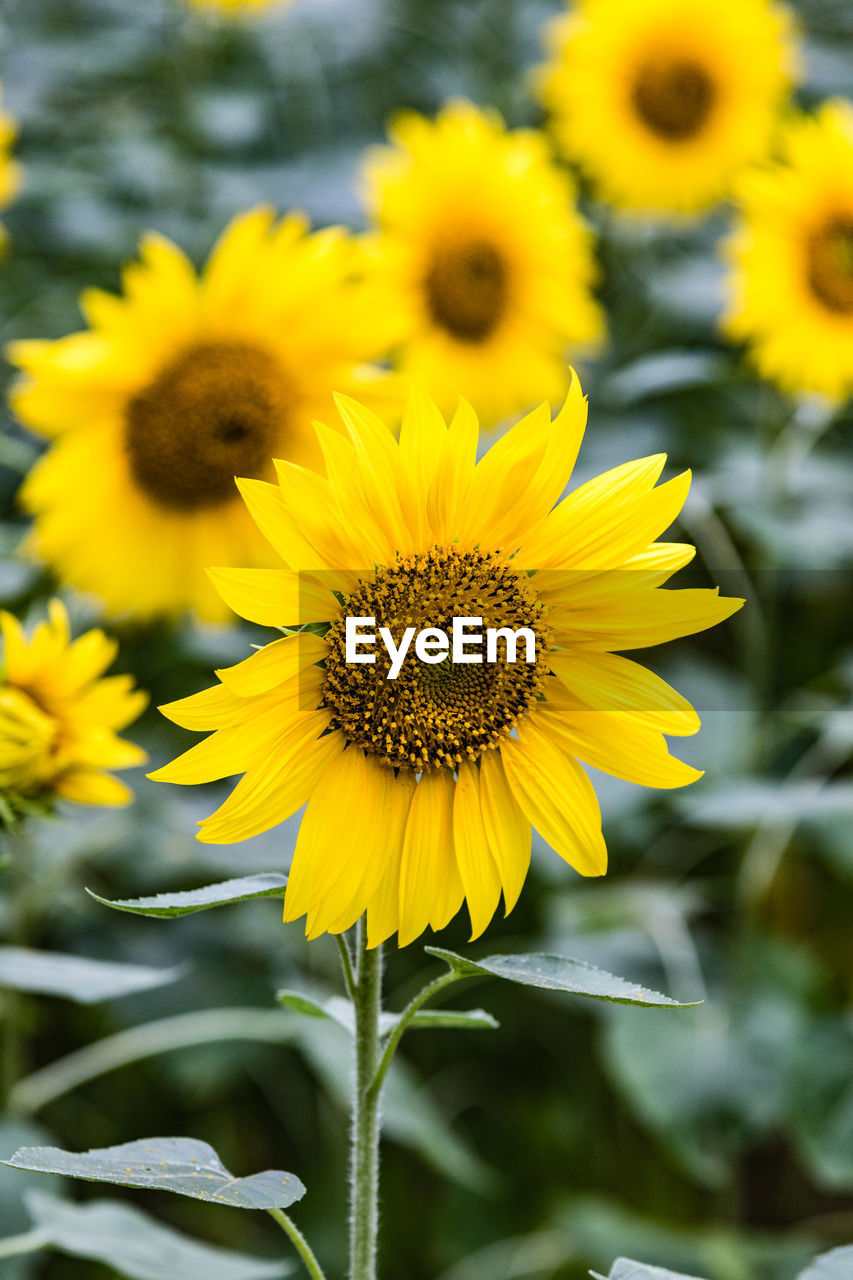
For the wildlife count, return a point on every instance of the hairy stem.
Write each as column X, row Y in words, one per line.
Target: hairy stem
column 405, row 1018
column 364, row 1170
column 299, row 1242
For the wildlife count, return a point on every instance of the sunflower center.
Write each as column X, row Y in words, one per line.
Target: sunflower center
column 436, row 714
column 466, row 290
column 830, row 265
column 674, row 99
column 214, row 413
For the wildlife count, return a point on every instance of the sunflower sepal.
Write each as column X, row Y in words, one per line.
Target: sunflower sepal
column 559, row 973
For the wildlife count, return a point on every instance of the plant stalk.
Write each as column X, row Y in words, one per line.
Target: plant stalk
column 366, row 1112
column 299, row 1242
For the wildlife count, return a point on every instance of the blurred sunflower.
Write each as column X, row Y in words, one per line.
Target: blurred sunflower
column 59, row 719
column 663, row 102
column 178, row 386
column 485, row 263
column 421, row 791
column 10, row 171
column 791, row 257
column 235, row 8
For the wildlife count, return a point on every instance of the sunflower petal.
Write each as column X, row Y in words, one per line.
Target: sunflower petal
column 557, row 797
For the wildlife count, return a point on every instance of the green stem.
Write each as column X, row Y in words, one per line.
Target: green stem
column 364, row 1170
column 406, row 1016
column 301, row 1245
column 346, row 962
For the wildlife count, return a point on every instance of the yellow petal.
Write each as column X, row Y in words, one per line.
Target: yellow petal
column 430, row 888
column 578, row 518
column 88, row 786
column 611, row 683
column 637, row 619
column 477, row 868
column 557, row 797
column 383, row 911
column 279, row 785
column 273, row 665
column 449, row 490
column 618, row 743
column 208, row 709
column 507, row 829
column 275, row 597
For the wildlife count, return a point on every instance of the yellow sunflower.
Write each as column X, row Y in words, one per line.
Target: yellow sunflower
column 59, row 719
column 10, row 171
column 485, row 262
column 791, row 257
column 235, row 8
column 422, row 789
column 663, row 102
column 179, row 385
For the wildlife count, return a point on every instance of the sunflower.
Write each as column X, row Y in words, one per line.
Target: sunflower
column 179, row 385
column 421, row 790
column 791, row 257
column 484, row 260
column 59, row 718
column 234, row 8
column 10, row 171
column 663, row 102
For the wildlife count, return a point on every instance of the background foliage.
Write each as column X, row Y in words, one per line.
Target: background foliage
column 717, row 1141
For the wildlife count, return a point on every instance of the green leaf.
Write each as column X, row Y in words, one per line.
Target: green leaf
column 457, row 1019
column 168, row 905
column 625, row 1269
column 334, row 1009
column 183, row 1165
column 52, row 973
column 337, row 1009
column 132, row 1243
column 557, row 973
column 835, row 1265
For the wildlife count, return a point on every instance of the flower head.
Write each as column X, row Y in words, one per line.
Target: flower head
column 59, row 719
column 179, row 385
column 791, row 257
column 422, row 789
column 663, row 102
column 483, row 259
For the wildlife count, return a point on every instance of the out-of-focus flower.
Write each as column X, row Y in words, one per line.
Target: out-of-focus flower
column 791, row 257
column 422, row 788
column 664, row 102
column 237, row 8
column 181, row 384
column 59, row 719
column 10, row 170
column 485, row 262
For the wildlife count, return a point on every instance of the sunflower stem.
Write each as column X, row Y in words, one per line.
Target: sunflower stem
column 432, row 989
column 301, row 1245
column 366, row 1112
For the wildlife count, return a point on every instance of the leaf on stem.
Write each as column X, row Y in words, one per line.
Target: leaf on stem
column 835, row 1265
column 168, row 905
column 51, row 973
column 557, row 973
column 132, row 1243
column 626, row 1269
column 183, row 1165
column 337, row 1009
